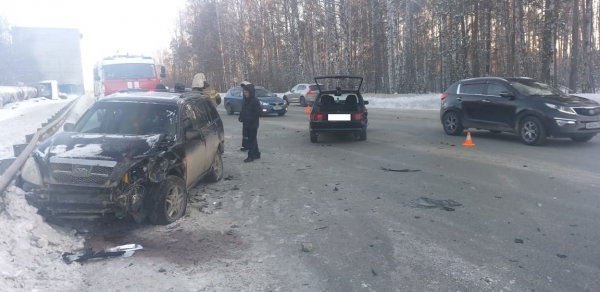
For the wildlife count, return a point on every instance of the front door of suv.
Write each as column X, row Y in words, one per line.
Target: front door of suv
column 502, row 110
column 195, row 149
column 470, row 96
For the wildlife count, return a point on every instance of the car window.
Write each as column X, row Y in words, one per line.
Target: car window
column 129, row 119
column 189, row 119
column 214, row 115
column 495, row 89
column 314, row 87
column 262, row 92
column 476, row 88
column 301, row 87
column 534, row 88
column 237, row 92
column 201, row 113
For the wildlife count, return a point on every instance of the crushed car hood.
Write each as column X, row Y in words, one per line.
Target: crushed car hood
column 98, row 146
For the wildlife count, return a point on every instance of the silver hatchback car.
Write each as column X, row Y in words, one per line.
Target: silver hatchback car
column 303, row 93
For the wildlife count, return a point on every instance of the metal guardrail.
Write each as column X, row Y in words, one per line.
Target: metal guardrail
column 46, row 131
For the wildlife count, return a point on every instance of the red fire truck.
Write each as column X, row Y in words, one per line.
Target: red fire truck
column 126, row 73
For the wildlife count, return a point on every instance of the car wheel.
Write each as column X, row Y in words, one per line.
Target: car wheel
column 313, row 137
column 363, row 135
column 531, row 131
column 216, row 169
column 495, row 132
column 582, row 138
column 452, row 124
column 229, row 109
column 169, row 201
column 302, row 101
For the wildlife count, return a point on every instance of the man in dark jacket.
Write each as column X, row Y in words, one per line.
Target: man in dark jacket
column 245, row 146
column 251, row 111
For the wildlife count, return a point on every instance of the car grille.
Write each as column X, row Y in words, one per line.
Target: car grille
column 587, row 111
column 65, row 173
column 275, row 103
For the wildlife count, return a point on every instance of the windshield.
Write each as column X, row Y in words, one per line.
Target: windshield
column 262, row 92
column 129, row 119
column 124, row 71
column 534, row 88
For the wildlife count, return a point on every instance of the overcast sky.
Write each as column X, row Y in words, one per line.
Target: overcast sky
column 134, row 26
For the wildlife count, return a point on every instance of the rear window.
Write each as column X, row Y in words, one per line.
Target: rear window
column 314, row 87
column 472, row 88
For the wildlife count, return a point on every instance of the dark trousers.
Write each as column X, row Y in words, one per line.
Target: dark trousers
column 253, row 144
column 245, row 138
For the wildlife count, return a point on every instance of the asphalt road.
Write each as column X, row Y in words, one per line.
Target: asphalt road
column 527, row 221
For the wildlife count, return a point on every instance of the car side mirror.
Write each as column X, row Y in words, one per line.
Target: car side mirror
column 163, row 73
column 193, row 134
column 366, row 102
column 507, row 94
column 68, row 127
column 96, row 78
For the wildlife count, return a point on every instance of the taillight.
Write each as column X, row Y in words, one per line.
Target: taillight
column 444, row 95
column 317, row 117
column 309, row 91
column 357, row 117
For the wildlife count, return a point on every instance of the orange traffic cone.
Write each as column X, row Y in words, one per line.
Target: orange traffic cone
column 307, row 110
column 468, row 142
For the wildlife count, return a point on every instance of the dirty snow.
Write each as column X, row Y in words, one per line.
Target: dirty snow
column 31, row 250
column 404, row 101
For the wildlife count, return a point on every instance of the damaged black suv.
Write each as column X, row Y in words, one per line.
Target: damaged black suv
column 130, row 153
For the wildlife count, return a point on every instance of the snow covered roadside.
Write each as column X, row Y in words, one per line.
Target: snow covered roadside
column 31, row 250
column 25, row 117
column 429, row 101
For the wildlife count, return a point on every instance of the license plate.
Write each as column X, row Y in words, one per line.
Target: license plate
column 277, row 108
column 593, row 125
column 338, row 117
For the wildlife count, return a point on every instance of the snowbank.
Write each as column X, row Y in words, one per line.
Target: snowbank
column 31, row 250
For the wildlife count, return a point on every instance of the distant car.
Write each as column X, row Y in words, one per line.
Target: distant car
column 531, row 109
column 270, row 102
column 135, row 154
column 303, row 93
column 339, row 108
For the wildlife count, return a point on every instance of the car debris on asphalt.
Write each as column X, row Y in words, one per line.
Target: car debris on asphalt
column 82, row 256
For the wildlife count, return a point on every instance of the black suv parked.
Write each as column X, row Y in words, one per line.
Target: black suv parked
column 135, row 153
column 532, row 109
column 339, row 107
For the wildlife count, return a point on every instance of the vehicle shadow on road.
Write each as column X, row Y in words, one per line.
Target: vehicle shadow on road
column 511, row 138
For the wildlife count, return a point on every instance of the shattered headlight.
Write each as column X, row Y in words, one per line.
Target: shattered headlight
column 31, row 172
column 561, row 108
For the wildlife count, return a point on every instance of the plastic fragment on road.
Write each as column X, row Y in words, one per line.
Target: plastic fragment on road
column 125, row 251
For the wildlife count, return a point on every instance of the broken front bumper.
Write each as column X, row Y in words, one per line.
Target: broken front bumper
column 75, row 202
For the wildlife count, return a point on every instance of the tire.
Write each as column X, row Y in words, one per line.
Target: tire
column 452, row 124
column 532, row 131
column 313, row 137
column 281, row 114
column 582, row 139
column 495, row 132
column 163, row 211
column 229, row 109
column 216, row 169
column 363, row 135
column 302, row 101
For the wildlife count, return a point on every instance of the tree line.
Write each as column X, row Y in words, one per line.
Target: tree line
column 404, row 46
